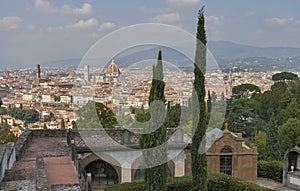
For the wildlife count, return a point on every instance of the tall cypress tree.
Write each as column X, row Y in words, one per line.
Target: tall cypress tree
column 272, row 144
column 155, row 172
column 209, row 102
column 199, row 162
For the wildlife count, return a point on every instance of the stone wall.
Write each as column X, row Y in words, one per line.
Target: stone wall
column 27, row 135
column 41, row 176
column 22, row 143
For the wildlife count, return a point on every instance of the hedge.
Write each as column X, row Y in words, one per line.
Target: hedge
column 270, row 169
column 216, row 182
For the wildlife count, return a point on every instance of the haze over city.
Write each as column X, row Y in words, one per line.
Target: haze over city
column 40, row 31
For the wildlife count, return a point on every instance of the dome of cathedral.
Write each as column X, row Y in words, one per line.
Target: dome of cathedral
column 72, row 73
column 112, row 68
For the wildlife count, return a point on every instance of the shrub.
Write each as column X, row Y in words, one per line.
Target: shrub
column 270, row 169
column 220, row 182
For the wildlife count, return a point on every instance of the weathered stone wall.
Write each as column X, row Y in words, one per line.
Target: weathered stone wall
column 27, row 135
column 22, row 143
column 48, row 133
column 19, row 174
column 41, row 176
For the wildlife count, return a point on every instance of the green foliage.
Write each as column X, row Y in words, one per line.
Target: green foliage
column 216, row 182
column 7, row 136
column 284, row 76
column 155, row 135
column 260, row 143
column 96, row 115
column 62, row 124
column 3, row 111
column 199, row 125
column 241, row 117
column 289, row 134
column 35, row 127
column 26, row 115
column 272, row 152
column 45, row 126
column 74, row 125
column 209, row 102
column 270, row 169
column 245, row 90
column 57, row 98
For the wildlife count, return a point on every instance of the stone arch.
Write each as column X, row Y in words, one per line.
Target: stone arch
column 135, row 167
column 104, row 157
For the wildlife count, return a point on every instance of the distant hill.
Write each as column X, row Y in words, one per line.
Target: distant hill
column 227, row 54
column 230, row 50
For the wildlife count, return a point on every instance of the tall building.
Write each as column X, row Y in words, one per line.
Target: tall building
column 38, row 72
column 86, row 73
column 229, row 86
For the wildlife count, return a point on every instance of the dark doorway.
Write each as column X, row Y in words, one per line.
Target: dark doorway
column 102, row 172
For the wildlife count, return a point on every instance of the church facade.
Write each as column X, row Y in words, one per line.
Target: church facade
column 121, row 160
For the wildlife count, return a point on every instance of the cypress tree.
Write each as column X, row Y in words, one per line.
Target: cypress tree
column 272, row 144
column 199, row 162
column 155, row 160
column 209, row 102
column 62, row 124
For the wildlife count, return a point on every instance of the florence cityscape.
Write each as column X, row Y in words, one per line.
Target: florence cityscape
column 149, row 95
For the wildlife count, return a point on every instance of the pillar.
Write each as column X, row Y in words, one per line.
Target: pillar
column 126, row 172
column 179, row 169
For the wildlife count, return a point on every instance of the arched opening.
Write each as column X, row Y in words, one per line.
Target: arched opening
column 226, row 161
column 294, row 161
column 102, row 172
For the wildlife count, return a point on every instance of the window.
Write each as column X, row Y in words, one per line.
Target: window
column 226, row 161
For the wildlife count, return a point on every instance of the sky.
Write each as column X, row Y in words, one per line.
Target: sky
column 40, row 31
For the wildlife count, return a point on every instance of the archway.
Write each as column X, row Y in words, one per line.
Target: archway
column 102, row 173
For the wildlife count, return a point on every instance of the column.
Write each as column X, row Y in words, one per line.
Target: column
column 179, row 168
column 126, row 172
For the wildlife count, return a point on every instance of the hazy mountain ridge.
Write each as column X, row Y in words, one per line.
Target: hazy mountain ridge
column 230, row 50
column 227, row 54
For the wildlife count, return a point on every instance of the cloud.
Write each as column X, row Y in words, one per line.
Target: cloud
column 11, row 22
column 107, row 26
column 84, row 24
column 215, row 20
column 45, row 6
column 181, row 3
column 86, row 9
column 166, row 18
column 278, row 21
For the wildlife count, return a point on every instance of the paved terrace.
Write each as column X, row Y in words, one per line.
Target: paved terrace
column 43, row 162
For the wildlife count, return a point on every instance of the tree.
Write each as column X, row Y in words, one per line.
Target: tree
column 74, row 125
column 7, row 136
column 245, row 90
column 208, row 102
column 289, row 134
column 284, row 76
column 31, row 116
column 62, row 124
column 199, row 162
column 155, row 172
column 260, row 142
column 45, row 126
column 57, row 98
column 272, row 152
column 95, row 115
